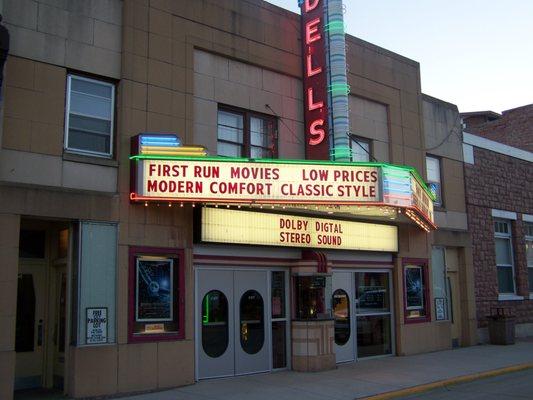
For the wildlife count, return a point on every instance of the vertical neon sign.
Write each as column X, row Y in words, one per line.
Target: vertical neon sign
column 315, row 80
column 338, row 88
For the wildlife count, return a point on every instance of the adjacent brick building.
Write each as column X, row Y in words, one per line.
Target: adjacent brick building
column 499, row 197
column 513, row 127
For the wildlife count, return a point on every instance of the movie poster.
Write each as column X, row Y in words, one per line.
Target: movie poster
column 154, row 290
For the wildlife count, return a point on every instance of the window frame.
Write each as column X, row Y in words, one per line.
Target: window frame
column 447, row 291
column 439, row 161
column 357, row 139
column 509, row 237
column 136, row 252
column 246, row 133
column 528, row 238
column 421, row 263
column 104, row 82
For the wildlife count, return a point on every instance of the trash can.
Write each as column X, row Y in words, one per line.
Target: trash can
column 501, row 327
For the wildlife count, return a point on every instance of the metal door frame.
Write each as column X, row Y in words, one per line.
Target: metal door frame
column 268, row 319
column 354, row 315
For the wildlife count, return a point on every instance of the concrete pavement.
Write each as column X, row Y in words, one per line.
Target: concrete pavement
column 357, row 380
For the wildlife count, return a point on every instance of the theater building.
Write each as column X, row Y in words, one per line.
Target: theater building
column 181, row 200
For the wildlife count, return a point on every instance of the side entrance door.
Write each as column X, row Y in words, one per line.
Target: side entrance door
column 232, row 322
column 342, row 306
column 30, row 326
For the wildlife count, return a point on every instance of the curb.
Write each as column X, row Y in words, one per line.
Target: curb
column 447, row 382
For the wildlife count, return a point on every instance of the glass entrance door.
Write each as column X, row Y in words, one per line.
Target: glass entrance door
column 253, row 342
column 361, row 304
column 373, row 314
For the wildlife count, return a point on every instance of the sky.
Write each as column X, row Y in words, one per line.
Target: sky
column 477, row 54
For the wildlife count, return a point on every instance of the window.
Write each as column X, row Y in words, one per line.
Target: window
column 434, row 182
column 416, row 293
column 89, row 116
column 156, row 293
column 360, row 150
column 440, row 292
column 504, row 256
column 528, row 228
column 245, row 134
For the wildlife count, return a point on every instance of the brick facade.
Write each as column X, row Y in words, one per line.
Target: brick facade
column 497, row 181
column 513, row 128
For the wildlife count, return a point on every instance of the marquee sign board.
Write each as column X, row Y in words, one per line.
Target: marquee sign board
column 197, row 180
column 269, row 229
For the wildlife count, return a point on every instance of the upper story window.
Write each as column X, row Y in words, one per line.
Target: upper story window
column 434, row 178
column 360, row 150
column 246, row 134
column 528, row 228
column 89, row 117
column 504, row 256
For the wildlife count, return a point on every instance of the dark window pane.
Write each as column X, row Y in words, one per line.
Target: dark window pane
column 372, row 292
column 78, row 122
column 341, row 314
column 505, row 280
column 25, row 325
column 92, row 88
column 252, row 322
column 503, row 251
column 310, row 296
column 414, row 287
column 80, row 140
column 530, row 278
column 278, row 294
column 32, row 244
column 215, row 323
column 89, row 105
column 373, row 335
column 279, row 348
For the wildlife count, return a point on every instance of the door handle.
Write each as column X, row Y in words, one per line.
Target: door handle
column 40, row 333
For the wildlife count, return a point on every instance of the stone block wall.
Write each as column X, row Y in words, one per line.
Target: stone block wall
column 500, row 182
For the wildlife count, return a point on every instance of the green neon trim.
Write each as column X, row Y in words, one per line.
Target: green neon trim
column 205, row 319
column 410, row 170
column 335, row 25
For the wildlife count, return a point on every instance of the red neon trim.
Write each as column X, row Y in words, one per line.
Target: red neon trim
column 316, row 130
column 310, row 6
column 311, row 105
column 310, row 71
column 312, row 34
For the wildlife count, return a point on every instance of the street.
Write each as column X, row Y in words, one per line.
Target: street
column 517, row 385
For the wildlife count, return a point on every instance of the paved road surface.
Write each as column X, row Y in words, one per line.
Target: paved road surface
column 513, row 386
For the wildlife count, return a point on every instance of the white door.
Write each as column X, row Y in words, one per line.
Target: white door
column 252, row 329
column 214, row 324
column 232, row 322
column 343, row 313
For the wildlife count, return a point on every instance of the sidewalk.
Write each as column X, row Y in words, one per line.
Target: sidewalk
column 356, row 380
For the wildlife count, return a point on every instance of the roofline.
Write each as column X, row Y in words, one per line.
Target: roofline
column 496, row 147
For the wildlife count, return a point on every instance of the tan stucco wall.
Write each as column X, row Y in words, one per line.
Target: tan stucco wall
column 78, row 34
